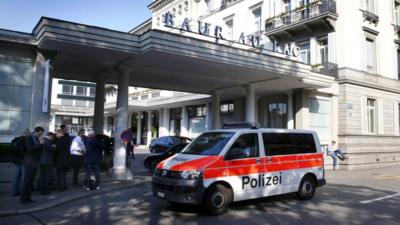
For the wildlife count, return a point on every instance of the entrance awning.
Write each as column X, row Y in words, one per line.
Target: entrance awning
column 168, row 61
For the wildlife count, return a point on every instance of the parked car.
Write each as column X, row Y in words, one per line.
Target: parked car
column 151, row 161
column 161, row 144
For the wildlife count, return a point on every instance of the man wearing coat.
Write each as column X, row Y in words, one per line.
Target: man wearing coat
column 33, row 146
column 93, row 158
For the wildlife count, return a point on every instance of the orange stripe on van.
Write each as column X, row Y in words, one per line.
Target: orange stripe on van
column 278, row 163
column 195, row 164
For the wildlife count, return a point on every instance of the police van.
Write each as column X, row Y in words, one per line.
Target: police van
column 234, row 164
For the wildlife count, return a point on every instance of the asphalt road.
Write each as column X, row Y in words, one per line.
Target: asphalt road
column 350, row 197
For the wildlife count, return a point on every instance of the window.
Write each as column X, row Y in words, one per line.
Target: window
column 208, row 5
column 371, row 55
column 245, row 146
column 227, row 108
column 323, row 50
column 144, row 97
column 396, row 13
column 229, row 26
column 288, row 144
column 320, row 117
column 277, row 115
column 286, row 5
column 197, row 119
column 304, row 53
column 80, row 103
column 155, row 95
column 278, row 144
column 304, row 143
column 135, row 98
column 398, row 64
column 398, row 118
column 67, row 89
column 92, row 92
column 257, row 20
column 210, row 143
column 80, row 91
column 370, row 5
column 371, row 115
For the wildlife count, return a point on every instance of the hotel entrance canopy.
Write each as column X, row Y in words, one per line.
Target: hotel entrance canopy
column 162, row 60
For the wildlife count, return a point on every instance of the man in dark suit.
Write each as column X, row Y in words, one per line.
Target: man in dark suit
column 33, row 146
column 93, row 158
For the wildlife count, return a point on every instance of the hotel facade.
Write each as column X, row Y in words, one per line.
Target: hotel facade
column 324, row 65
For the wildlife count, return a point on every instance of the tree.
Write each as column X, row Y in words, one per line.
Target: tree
column 110, row 90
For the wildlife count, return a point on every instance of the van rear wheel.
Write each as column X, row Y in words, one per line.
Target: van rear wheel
column 307, row 188
column 217, row 200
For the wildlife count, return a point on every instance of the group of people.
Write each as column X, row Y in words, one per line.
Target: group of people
column 54, row 153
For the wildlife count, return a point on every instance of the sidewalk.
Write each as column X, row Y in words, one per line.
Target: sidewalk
column 11, row 206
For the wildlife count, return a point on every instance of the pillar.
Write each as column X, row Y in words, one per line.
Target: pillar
column 41, row 93
column 290, row 117
column 301, row 109
column 250, row 104
column 166, row 121
column 209, row 116
column 99, row 107
column 149, row 126
column 184, row 122
column 139, row 129
column 121, row 124
column 216, row 109
column 314, row 51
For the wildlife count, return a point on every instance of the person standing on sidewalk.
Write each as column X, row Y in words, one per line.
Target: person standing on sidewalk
column 93, row 158
column 46, row 162
column 18, row 152
column 62, row 159
column 33, row 146
column 77, row 150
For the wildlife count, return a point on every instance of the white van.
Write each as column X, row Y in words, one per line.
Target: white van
column 227, row 165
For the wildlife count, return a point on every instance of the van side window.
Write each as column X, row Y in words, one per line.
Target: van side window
column 304, row 143
column 278, row 144
column 245, row 146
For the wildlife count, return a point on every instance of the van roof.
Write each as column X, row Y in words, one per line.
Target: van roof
column 273, row 130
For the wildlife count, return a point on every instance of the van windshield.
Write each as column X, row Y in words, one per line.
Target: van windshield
column 210, row 143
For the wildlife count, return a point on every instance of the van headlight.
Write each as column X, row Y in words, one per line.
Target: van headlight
column 191, row 174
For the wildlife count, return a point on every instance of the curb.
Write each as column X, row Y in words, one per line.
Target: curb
column 70, row 199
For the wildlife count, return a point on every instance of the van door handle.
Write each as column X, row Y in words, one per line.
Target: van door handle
column 258, row 160
column 269, row 160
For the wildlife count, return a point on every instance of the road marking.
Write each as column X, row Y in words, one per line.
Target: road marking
column 378, row 199
column 387, row 177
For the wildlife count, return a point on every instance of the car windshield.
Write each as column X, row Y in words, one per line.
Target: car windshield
column 210, row 143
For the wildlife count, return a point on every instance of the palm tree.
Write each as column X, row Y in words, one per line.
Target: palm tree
column 110, row 90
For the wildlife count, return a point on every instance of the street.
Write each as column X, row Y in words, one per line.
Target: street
column 368, row 197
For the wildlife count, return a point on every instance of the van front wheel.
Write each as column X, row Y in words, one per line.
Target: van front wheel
column 307, row 188
column 217, row 200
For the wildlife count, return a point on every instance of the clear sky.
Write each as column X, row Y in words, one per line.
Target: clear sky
column 122, row 15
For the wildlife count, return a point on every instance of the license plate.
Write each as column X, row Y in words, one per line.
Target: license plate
column 161, row 194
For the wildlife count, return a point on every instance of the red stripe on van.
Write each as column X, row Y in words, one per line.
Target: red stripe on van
column 195, row 164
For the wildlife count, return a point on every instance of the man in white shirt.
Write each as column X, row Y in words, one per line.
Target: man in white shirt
column 335, row 153
column 77, row 151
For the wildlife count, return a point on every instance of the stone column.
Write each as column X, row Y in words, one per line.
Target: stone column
column 216, row 100
column 99, row 107
column 166, row 121
column 149, row 125
column 139, row 129
column 301, row 108
column 120, row 171
column 250, row 104
column 40, row 101
column 184, row 122
column 290, row 117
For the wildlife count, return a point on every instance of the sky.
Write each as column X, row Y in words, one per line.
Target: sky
column 121, row 15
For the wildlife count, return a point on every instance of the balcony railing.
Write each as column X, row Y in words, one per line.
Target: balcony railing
column 370, row 17
column 327, row 68
column 302, row 13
